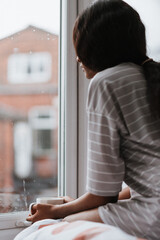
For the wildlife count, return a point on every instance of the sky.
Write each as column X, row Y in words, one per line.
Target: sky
column 16, row 15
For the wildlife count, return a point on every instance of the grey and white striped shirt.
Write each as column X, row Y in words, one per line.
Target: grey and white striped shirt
column 123, row 145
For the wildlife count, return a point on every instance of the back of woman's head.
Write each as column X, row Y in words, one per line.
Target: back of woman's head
column 108, row 33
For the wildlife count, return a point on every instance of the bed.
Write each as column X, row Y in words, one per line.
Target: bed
column 49, row 229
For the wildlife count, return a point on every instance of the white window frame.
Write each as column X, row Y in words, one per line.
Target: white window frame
column 82, row 118
column 72, row 115
column 68, row 103
column 73, row 94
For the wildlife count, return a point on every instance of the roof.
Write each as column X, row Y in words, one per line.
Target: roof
column 33, row 28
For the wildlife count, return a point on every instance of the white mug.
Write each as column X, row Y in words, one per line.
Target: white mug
column 46, row 200
column 50, row 200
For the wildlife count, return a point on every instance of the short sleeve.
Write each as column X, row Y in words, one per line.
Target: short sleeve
column 105, row 167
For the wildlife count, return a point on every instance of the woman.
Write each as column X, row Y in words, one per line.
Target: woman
column 123, row 123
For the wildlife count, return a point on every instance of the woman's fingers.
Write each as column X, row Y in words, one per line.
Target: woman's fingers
column 41, row 211
column 30, row 218
column 67, row 199
column 33, row 218
column 32, row 208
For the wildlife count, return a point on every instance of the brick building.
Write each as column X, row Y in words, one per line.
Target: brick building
column 28, row 107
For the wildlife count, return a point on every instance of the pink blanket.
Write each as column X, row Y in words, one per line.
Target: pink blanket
column 80, row 230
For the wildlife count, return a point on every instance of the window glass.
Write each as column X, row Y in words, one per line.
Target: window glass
column 149, row 13
column 29, row 37
column 29, row 67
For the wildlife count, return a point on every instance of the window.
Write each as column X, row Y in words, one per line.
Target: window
column 29, row 122
column 29, row 68
column 149, row 13
column 33, row 110
column 43, row 123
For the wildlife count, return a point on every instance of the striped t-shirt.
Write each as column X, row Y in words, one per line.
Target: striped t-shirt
column 123, row 136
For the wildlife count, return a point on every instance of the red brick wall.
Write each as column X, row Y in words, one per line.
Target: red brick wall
column 26, row 41
column 29, row 40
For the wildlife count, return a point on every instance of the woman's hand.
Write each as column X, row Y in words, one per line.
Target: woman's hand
column 68, row 199
column 87, row 201
column 43, row 211
column 124, row 194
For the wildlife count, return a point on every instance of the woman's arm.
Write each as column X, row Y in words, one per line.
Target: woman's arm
column 92, row 214
column 85, row 202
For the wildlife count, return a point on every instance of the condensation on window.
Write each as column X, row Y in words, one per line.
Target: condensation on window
column 28, row 102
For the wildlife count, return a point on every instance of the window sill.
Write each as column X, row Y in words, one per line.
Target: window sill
column 12, row 223
column 14, row 220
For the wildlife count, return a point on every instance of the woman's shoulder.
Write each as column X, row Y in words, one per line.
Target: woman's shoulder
column 113, row 84
column 119, row 75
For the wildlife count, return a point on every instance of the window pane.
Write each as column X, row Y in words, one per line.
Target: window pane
column 29, row 36
column 149, row 13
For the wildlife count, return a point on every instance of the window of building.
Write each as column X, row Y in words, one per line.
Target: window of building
column 29, row 67
column 43, row 124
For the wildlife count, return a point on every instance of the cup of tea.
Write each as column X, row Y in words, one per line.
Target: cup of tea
column 46, row 200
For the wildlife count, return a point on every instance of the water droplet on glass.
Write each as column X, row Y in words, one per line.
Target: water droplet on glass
column 11, row 123
column 25, row 195
column 15, row 50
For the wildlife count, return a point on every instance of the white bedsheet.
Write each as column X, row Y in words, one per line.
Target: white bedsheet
column 80, row 230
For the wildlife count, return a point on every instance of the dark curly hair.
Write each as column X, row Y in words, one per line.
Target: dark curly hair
column 110, row 32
